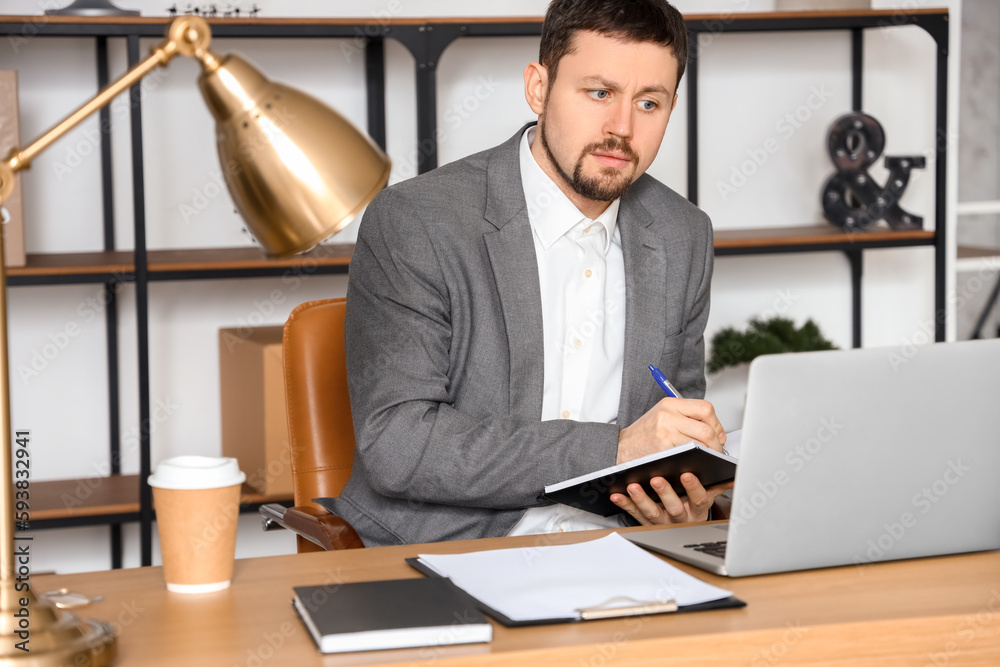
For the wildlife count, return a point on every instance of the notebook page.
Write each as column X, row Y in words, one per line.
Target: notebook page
column 733, row 440
column 554, row 582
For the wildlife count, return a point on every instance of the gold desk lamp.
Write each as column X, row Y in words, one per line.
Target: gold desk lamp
column 297, row 172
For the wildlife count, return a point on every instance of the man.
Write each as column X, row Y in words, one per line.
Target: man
column 503, row 309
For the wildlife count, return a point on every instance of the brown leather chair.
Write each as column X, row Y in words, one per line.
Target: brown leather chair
column 320, row 431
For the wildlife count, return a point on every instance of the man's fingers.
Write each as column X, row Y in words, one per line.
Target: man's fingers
column 700, row 432
column 647, row 506
column 694, row 507
column 704, row 426
column 673, row 506
column 625, row 503
column 698, row 497
column 694, row 408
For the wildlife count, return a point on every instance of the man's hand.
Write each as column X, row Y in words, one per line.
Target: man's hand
column 694, row 507
column 671, row 422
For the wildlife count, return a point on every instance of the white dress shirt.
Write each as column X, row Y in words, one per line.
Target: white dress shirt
column 581, row 272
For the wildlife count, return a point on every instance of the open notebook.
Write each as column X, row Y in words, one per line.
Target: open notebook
column 592, row 492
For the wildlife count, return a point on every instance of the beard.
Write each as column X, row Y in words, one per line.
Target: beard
column 609, row 184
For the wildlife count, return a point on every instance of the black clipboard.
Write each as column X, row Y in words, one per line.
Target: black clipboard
column 726, row 603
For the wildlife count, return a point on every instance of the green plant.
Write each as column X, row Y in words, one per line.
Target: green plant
column 731, row 347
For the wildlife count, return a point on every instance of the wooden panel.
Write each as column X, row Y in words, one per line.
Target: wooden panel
column 209, row 259
column 294, row 21
column 58, row 264
column 95, row 496
column 189, row 259
column 971, row 252
column 810, row 235
column 195, row 259
column 87, row 496
column 904, row 613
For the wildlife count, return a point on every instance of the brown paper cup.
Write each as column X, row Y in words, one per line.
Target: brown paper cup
column 197, row 502
column 197, row 530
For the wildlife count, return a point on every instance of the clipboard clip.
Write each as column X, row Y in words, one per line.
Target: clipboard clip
column 637, row 608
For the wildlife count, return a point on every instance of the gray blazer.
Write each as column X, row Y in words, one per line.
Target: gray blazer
column 444, row 348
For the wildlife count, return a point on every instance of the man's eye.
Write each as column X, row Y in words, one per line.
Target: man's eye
column 648, row 105
column 599, row 94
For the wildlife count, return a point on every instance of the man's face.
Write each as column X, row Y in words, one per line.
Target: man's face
column 603, row 118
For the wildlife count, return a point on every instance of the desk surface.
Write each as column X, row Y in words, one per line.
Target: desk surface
column 937, row 611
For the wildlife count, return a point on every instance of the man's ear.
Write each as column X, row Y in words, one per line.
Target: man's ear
column 536, row 85
column 674, row 103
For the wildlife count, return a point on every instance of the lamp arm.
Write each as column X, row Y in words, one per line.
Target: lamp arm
column 186, row 35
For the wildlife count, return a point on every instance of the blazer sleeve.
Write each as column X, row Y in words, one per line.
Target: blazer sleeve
column 411, row 440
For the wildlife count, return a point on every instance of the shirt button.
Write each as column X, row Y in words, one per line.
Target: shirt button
column 588, row 273
column 587, row 230
column 577, row 343
column 565, row 414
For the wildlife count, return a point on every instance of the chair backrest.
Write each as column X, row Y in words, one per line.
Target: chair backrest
column 321, row 434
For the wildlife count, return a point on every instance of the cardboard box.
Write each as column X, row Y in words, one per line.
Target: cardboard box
column 12, row 215
column 254, row 421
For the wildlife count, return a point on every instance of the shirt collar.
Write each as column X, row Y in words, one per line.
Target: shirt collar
column 550, row 212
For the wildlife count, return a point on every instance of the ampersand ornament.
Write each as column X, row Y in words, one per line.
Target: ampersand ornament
column 851, row 198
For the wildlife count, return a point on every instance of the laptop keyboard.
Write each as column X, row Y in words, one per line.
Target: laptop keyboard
column 710, row 548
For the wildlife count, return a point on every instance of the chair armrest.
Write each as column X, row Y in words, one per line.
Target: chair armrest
column 317, row 525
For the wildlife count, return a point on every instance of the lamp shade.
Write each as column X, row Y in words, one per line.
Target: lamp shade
column 297, row 170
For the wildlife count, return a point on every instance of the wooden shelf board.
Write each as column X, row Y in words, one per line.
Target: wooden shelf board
column 810, row 235
column 972, row 252
column 972, row 259
column 200, row 259
column 220, row 259
column 809, row 14
column 197, row 259
column 57, row 264
column 96, row 496
column 294, row 21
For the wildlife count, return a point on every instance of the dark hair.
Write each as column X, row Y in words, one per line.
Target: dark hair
column 655, row 21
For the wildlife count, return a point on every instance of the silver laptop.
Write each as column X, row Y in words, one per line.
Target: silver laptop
column 858, row 456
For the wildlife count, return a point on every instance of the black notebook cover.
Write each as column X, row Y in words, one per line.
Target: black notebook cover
column 397, row 613
column 725, row 603
column 593, row 492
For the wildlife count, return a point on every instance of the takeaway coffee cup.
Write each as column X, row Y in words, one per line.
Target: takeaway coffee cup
column 197, row 501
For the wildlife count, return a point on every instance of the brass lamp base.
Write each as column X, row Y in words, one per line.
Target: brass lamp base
column 51, row 636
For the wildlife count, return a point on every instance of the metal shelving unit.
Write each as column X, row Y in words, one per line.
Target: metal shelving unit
column 126, row 498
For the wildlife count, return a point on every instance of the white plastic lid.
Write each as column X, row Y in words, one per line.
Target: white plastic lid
column 197, row 472
column 194, row 589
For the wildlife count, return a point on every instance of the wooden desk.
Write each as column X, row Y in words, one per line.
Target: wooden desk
column 930, row 612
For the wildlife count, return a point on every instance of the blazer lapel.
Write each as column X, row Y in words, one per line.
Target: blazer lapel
column 646, row 284
column 512, row 256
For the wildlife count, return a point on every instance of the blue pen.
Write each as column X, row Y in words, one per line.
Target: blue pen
column 668, row 388
column 665, row 385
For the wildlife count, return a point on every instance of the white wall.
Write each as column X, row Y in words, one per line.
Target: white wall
column 749, row 83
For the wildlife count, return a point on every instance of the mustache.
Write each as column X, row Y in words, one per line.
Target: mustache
column 613, row 144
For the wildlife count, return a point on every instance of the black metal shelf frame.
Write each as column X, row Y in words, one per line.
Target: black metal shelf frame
column 936, row 25
column 427, row 42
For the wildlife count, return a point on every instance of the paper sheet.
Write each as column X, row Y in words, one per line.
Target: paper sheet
column 555, row 582
column 733, row 439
